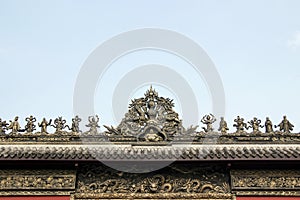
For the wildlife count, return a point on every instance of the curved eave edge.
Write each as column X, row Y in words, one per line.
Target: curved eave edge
column 150, row 153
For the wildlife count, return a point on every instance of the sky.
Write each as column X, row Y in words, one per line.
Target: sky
column 254, row 45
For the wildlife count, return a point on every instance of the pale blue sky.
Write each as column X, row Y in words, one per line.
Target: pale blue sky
column 254, row 44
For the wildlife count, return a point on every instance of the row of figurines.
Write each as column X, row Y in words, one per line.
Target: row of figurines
column 284, row 126
column 60, row 124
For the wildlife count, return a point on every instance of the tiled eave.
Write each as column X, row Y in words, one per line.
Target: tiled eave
column 180, row 152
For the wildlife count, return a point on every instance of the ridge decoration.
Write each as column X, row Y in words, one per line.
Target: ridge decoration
column 150, row 118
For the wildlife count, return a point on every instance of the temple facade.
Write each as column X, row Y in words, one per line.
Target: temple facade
column 149, row 155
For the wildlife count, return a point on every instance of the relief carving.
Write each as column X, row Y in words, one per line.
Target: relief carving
column 265, row 179
column 150, row 118
column 37, row 180
column 172, row 179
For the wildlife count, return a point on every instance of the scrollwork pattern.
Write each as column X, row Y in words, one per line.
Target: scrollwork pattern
column 170, row 180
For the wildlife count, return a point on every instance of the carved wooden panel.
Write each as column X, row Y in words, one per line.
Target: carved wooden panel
column 266, row 182
column 37, row 182
column 177, row 181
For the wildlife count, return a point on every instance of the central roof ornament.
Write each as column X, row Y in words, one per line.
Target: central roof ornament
column 150, row 118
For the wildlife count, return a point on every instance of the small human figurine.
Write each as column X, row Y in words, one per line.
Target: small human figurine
column 30, row 126
column 59, row 124
column 255, row 124
column 223, row 126
column 139, row 105
column 152, row 112
column 239, row 124
column 75, row 124
column 268, row 125
column 14, row 125
column 208, row 120
column 3, row 126
column 93, row 124
column 285, row 125
column 44, row 125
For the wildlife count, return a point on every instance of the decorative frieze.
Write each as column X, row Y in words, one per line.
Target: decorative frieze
column 265, row 180
column 158, row 196
column 176, row 178
column 37, row 180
